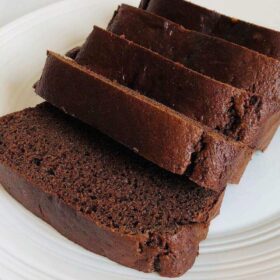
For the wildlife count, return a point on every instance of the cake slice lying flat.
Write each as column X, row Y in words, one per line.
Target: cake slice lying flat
column 242, row 115
column 100, row 195
column 261, row 39
column 154, row 131
column 216, row 58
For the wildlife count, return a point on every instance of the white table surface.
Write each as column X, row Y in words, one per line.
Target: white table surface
column 12, row 9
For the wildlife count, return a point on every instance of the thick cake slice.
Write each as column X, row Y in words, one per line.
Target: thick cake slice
column 100, row 195
column 242, row 115
column 194, row 17
column 152, row 130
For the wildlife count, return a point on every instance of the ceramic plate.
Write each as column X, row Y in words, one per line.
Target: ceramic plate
column 244, row 241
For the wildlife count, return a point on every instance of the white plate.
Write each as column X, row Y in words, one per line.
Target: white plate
column 244, row 241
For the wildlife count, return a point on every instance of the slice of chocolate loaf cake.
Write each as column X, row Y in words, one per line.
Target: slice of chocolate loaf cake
column 152, row 130
column 73, row 52
column 194, row 17
column 100, row 195
column 214, row 57
column 242, row 115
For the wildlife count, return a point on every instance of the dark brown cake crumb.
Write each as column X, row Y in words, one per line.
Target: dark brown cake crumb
column 96, row 176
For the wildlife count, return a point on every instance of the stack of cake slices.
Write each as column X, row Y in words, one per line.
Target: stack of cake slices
column 143, row 127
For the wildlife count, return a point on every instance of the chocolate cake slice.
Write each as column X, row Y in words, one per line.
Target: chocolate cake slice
column 73, row 52
column 244, row 116
column 100, row 195
column 214, row 57
column 154, row 131
column 260, row 39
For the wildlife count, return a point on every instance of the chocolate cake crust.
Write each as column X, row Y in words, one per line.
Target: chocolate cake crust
column 95, row 192
column 192, row 16
column 251, row 118
column 161, row 135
